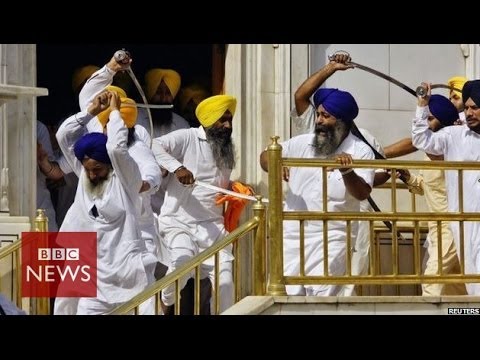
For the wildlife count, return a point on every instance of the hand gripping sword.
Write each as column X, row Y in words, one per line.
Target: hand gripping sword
column 122, row 57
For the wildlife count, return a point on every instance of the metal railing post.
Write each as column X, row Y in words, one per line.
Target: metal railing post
column 42, row 305
column 276, row 284
column 259, row 250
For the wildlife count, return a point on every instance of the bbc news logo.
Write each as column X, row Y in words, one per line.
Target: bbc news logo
column 463, row 311
column 59, row 264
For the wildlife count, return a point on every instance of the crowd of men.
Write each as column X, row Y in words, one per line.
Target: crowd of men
column 140, row 194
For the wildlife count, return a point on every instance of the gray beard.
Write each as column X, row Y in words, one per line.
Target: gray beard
column 96, row 190
column 223, row 151
column 325, row 146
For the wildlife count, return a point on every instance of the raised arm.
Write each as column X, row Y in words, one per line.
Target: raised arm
column 74, row 128
column 99, row 81
column 309, row 86
column 423, row 138
column 125, row 167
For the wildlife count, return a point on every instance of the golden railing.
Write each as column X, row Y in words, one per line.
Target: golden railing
column 14, row 251
column 39, row 306
column 257, row 268
column 276, row 217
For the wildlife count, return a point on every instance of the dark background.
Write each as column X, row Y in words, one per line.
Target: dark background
column 57, row 62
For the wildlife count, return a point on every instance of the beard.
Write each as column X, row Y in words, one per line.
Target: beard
column 220, row 139
column 163, row 117
column 97, row 188
column 328, row 138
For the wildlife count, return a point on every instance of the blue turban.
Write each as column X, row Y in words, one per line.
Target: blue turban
column 471, row 89
column 338, row 103
column 443, row 109
column 93, row 145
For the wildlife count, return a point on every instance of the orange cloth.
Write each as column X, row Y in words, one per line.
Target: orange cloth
column 235, row 205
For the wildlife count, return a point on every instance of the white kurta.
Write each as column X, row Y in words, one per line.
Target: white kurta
column 124, row 264
column 189, row 220
column 178, row 122
column 305, row 123
column 139, row 151
column 192, row 208
column 305, row 193
column 44, row 200
column 456, row 143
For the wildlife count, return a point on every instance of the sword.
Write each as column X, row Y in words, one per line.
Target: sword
column 123, row 56
column 227, row 192
column 151, row 106
column 419, row 91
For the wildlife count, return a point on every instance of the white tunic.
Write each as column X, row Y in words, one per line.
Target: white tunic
column 305, row 194
column 192, row 208
column 139, row 151
column 178, row 122
column 121, row 252
column 456, row 143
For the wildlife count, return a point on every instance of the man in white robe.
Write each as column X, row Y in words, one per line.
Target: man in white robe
column 304, row 118
column 335, row 111
column 189, row 220
column 138, row 149
column 107, row 203
column 457, row 143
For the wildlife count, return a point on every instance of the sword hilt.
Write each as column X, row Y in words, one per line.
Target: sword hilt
column 121, row 56
column 331, row 57
column 421, row 91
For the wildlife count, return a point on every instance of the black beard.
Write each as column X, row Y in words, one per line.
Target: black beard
column 223, row 150
column 326, row 145
column 163, row 117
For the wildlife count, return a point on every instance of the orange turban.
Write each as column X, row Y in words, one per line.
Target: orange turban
column 154, row 77
column 81, row 75
column 192, row 92
column 457, row 82
column 128, row 112
column 210, row 110
column 120, row 92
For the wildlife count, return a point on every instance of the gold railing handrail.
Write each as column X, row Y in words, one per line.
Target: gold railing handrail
column 397, row 279
column 10, row 248
column 399, row 216
column 186, row 268
column 277, row 215
column 381, row 164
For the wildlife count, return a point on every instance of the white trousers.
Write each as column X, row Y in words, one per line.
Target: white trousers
column 182, row 248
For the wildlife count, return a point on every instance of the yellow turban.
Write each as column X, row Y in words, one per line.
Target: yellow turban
column 210, row 110
column 154, row 77
column 193, row 92
column 128, row 112
column 120, row 92
column 81, row 75
column 457, row 82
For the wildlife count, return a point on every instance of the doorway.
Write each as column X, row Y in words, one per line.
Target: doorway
column 200, row 63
